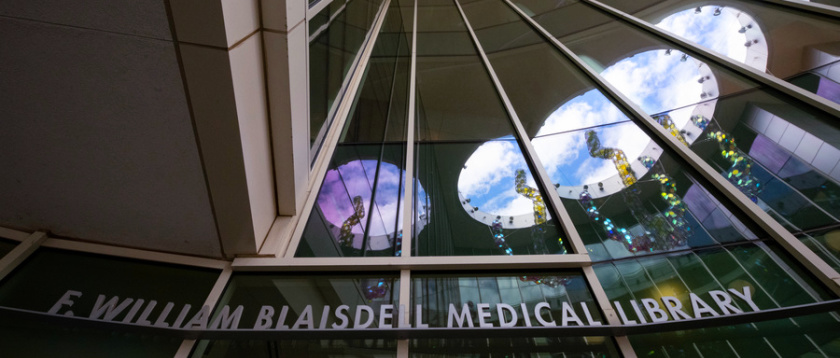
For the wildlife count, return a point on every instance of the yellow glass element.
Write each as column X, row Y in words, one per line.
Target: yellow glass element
column 531, row 193
column 345, row 238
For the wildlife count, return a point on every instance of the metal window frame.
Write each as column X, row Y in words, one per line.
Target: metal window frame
column 406, row 263
column 552, row 197
column 720, row 188
column 321, row 163
column 798, row 94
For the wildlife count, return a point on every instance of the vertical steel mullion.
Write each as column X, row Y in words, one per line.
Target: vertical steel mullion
column 187, row 345
column 21, row 252
column 603, row 301
column 552, row 197
column 725, row 189
column 335, row 128
column 550, row 192
column 404, row 301
column 375, row 188
column 408, row 201
column 708, row 56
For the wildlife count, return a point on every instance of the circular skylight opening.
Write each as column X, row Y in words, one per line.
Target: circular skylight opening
column 579, row 141
column 496, row 184
column 345, row 200
column 726, row 30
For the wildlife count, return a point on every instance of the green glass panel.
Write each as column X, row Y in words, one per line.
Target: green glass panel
column 808, row 336
column 48, row 275
column 771, row 279
column 456, row 99
column 296, row 294
column 825, row 243
column 437, row 293
column 514, row 347
column 478, row 195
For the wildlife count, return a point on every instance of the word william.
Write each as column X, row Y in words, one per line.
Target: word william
column 138, row 311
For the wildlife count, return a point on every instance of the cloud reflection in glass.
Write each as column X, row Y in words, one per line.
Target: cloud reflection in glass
column 349, row 186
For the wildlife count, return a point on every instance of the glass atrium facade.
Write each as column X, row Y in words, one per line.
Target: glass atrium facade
column 531, row 178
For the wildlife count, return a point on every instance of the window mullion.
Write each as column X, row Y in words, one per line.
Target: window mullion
column 330, row 142
column 811, row 99
column 408, row 197
column 727, row 192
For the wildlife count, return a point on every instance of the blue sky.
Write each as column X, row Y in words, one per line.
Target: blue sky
column 655, row 80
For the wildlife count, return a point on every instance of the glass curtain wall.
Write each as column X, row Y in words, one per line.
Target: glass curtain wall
column 492, row 111
column 475, row 190
column 652, row 227
column 357, row 211
column 758, row 35
column 336, row 35
column 769, row 146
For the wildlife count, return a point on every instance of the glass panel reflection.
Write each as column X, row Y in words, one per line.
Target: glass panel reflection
column 335, row 36
column 624, row 194
column 514, row 347
column 48, row 274
column 302, row 298
column 808, row 336
column 436, row 292
column 357, row 209
column 478, row 194
column 772, row 281
column 768, row 147
column 781, row 41
column 480, row 199
column 826, row 244
column 357, row 212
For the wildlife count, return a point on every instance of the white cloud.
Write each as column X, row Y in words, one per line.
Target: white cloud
column 656, row 81
column 719, row 33
column 489, row 165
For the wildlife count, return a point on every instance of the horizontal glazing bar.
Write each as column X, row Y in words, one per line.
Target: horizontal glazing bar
column 412, row 263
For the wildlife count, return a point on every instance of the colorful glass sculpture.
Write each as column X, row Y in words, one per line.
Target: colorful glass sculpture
column 550, row 281
column 647, row 161
column 499, row 236
column 662, row 231
column 741, row 165
column 665, row 121
column 377, row 289
column 616, row 155
column 345, row 237
column 538, row 230
column 700, row 121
